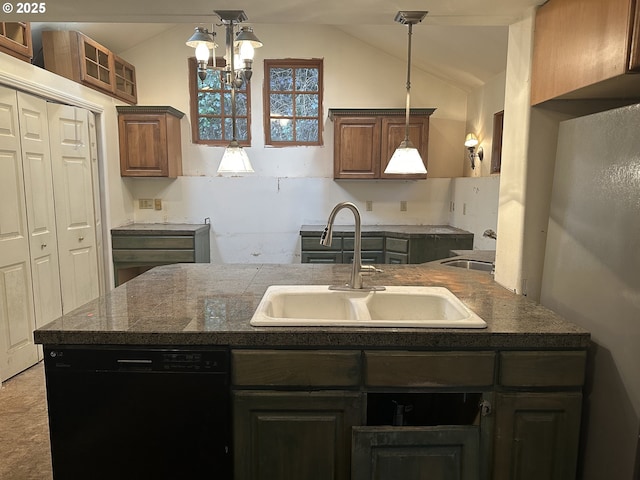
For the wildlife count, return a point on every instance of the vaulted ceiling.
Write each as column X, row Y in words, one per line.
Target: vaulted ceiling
column 461, row 41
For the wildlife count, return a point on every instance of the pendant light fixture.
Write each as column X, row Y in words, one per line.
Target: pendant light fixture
column 236, row 72
column 406, row 159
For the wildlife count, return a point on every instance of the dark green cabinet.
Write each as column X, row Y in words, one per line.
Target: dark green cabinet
column 536, row 436
column 393, row 414
column 440, row 453
column 387, row 245
column 294, row 435
column 138, row 247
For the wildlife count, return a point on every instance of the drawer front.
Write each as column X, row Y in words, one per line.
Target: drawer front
column 400, row 245
column 160, row 257
column 367, row 243
column 151, row 242
column 368, row 258
column 321, row 257
column 542, row 369
column 396, row 258
column 313, row 243
column 300, row 368
column 429, row 369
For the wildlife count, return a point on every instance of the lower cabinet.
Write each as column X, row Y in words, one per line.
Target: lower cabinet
column 384, row 246
column 391, row 453
column 392, row 414
column 294, row 435
column 536, row 436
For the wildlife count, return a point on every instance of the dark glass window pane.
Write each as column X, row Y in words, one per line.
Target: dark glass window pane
column 210, row 128
column 209, row 103
column 282, row 130
column 281, row 105
column 281, row 79
column 307, row 105
column 307, row 79
column 307, row 130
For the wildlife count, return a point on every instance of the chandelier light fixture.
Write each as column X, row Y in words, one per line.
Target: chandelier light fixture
column 406, row 159
column 239, row 48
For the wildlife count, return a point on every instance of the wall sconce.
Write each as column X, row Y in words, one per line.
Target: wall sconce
column 471, row 142
column 237, row 71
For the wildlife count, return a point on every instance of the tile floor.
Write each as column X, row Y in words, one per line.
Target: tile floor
column 24, row 429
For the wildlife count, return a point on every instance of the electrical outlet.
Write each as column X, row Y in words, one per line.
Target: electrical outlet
column 369, row 205
column 403, row 205
column 157, row 203
column 145, row 203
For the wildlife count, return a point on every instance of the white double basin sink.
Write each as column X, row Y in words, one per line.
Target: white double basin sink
column 395, row 306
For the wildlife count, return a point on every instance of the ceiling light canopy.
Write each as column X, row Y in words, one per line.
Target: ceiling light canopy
column 406, row 159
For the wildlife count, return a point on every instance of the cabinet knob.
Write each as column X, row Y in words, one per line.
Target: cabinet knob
column 80, row 239
column 43, row 246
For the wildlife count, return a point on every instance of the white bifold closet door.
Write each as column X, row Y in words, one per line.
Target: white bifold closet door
column 17, row 317
column 74, row 201
column 50, row 249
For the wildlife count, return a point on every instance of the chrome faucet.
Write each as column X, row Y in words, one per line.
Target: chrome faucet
column 357, row 269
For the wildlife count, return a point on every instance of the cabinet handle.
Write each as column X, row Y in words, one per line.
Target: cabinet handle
column 485, row 408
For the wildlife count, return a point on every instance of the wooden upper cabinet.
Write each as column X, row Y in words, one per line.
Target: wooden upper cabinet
column 79, row 58
column 15, row 40
column 365, row 139
column 150, row 141
column 586, row 50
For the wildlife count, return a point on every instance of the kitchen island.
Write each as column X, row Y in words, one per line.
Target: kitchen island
column 321, row 397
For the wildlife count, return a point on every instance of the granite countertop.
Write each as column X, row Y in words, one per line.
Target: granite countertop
column 402, row 230
column 211, row 304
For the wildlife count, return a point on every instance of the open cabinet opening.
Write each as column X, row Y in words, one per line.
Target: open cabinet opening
column 423, row 409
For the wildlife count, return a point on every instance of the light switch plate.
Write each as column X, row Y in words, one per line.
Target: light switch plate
column 145, row 203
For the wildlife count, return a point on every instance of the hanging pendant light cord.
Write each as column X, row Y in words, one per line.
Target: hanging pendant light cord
column 406, row 122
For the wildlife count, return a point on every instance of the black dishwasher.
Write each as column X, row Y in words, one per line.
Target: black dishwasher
column 139, row 413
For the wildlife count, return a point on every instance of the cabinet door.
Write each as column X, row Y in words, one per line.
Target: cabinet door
column 536, row 436
column 96, row 64
column 294, row 435
column 17, row 350
column 393, row 132
column 124, row 80
column 579, row 44
column 448, row 452
column 15, row 39
column 357, row 148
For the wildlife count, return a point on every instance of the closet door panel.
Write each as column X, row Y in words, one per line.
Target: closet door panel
column 73, row 192
column 38, row 184
column 17, row 350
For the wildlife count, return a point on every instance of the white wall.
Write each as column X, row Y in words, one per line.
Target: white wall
column 474, row 207
column 591, row 276
column 483, row 102
column 257, row 218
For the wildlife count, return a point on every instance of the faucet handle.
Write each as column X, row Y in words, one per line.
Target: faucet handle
column 370, row 269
